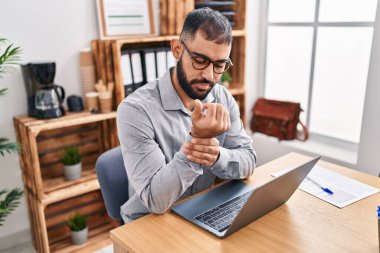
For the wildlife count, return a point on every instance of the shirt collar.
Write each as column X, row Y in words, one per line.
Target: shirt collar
column 169, row 96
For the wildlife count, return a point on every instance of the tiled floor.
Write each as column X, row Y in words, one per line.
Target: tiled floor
column 28, row 248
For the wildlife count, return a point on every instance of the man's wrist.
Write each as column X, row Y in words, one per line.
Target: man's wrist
column 197, row 135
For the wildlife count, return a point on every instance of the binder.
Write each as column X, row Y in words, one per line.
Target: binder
column 161, row 61
column 141, row 66
column 137, row 69
column 126, row 68
column 150, row 73
column 171, row 61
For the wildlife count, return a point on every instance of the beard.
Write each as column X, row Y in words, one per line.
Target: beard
column 187, row 87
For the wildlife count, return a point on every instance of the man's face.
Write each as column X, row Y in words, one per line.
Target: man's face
column 198, row 83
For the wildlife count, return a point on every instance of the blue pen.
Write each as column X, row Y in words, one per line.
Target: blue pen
column 325, row 189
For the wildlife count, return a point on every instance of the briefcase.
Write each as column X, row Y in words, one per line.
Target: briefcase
column 278, row 118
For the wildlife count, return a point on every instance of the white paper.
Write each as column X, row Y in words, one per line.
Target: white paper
column 126, row 17
column 137, row 68
column 150, row 65
column 346, row 190
column 126, row 69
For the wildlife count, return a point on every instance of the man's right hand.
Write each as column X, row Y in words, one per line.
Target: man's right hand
column 209, row 120
column 204, row 151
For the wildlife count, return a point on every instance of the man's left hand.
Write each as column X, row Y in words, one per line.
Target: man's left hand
column 204, row 151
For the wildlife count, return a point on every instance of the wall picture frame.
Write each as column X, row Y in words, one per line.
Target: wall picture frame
column 125, row 18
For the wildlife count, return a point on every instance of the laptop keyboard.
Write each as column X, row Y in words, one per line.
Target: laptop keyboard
column 220, row 217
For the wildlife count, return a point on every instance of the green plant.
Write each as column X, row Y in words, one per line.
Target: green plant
column 9, row 57
column 8, row 147
column 77, row 222
column 71, row 156
column 226, row 77
column 9, row 203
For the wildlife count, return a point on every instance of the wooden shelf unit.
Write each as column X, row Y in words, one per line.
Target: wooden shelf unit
column 237, row 56
column 120, row 42
column 107, row 55
column 71, row 191
column 52, row 199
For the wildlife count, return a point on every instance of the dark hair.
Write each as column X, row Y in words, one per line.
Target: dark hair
column 213, row 26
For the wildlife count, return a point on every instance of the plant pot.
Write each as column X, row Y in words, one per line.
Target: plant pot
column 79, row 237
column 73, row 172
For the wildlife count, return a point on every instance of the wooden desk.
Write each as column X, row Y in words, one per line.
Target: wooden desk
column 303, row 224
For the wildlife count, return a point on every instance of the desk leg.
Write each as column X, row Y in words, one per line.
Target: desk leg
column 118, row 249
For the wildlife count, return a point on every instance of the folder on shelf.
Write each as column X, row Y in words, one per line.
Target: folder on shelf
column 126, row 69
column 171, row 61
column 141, row 66
column 137, row 71
column 129, row 71
column 150, row 73
column 161, row 61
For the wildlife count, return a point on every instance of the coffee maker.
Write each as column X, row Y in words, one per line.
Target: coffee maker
column 45, row 98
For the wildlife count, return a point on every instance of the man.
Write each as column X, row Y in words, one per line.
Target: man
column 180, row 131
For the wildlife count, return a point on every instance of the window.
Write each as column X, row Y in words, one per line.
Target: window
column 317, row 53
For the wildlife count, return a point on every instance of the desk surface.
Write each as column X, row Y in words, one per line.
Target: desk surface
column 303, row 224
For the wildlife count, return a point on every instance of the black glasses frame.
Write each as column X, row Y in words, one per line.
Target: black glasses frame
column 193, row 57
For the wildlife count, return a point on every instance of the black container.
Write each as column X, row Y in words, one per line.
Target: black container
column 75, row 103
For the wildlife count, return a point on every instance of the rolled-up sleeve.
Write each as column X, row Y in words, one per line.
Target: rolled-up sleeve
column 157, row 184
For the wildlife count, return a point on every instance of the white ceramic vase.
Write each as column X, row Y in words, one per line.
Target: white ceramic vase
column 79, row 237
column 73, row 172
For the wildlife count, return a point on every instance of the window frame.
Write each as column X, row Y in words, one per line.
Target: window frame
column 315, row 25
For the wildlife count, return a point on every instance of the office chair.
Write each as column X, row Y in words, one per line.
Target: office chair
column 113, row 181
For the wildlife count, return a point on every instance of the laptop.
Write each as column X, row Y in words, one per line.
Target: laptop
column 233, row 205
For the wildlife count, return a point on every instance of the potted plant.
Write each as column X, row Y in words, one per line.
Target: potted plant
column 226, row 79
column 71, row 160
column 9, row 198
column 78, row 226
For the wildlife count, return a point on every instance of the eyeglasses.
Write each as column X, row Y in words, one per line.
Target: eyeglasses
column 202, row 62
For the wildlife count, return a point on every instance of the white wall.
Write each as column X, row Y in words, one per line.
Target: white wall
column 368, row 159
column 45, row 30
column 254, row 55
column 57, row 30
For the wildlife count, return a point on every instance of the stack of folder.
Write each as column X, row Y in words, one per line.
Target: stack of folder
column 227, row 8
column 141, row 66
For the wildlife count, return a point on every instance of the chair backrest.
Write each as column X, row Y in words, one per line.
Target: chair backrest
column 113, row 181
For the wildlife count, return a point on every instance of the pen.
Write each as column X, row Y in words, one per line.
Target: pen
column 325, row 189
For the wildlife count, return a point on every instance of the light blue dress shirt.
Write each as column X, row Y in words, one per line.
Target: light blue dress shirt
column 152, row 126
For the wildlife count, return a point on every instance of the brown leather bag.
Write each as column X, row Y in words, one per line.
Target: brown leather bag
column 278, row 119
